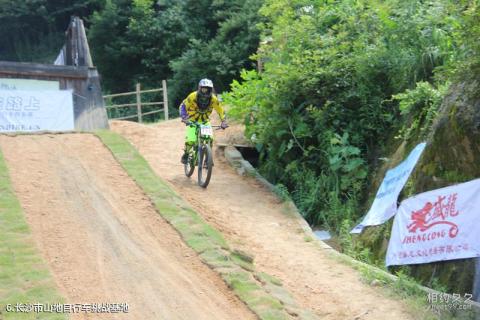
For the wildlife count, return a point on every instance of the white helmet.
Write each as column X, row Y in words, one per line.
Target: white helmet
column 205, row 83
column 204, row 93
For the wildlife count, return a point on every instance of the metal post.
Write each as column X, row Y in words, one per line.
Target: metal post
column 165, row 99
column 476, row 281
column 139, row 103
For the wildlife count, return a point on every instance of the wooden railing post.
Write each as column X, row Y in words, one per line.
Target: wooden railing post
column 138, row 93
column 165, row 99
column 139, row 103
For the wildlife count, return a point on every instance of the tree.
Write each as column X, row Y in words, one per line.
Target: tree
column 34, row 30
column 223, row 56
column 112, row 51
column 182, row 41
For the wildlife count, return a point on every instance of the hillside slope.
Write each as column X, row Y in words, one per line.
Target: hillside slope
column 253, row 219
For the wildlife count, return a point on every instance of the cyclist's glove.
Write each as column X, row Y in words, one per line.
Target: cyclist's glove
column 224, row 124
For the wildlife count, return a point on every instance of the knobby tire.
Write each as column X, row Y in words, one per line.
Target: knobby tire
column 205, row 165
column 190, row 165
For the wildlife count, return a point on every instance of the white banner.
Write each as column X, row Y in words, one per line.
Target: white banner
column 438, row 225
column 385, row 204
column 29, row 111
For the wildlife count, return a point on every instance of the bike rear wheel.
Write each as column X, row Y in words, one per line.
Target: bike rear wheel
column 205, row 165
column 190, row 165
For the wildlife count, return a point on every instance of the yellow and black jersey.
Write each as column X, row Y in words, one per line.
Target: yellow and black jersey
column 189, row 108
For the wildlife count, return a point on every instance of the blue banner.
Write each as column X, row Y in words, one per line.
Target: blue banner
column 385, row 204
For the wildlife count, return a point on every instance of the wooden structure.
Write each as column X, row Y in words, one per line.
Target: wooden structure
column 138, row 104
column 74, row 71
column 76, row 51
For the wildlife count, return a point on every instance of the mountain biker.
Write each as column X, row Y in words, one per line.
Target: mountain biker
column 197, row 107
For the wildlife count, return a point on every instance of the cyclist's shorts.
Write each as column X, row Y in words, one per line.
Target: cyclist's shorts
column 190, row 136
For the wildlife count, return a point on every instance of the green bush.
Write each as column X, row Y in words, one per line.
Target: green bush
column 419, row 108
column 339, row 80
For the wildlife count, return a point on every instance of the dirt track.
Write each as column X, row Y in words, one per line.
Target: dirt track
column 252, row 219
column 102, row 238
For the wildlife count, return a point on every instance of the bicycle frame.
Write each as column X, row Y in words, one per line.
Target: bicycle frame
column 201, row 139
column 201, row 152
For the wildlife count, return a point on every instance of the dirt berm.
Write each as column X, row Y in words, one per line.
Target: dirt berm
column 102, row 238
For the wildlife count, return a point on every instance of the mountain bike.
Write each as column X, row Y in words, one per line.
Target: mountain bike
column 200, row 154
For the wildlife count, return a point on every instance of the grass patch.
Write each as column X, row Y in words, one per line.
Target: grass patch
column 262, row 303
column 242, row 262
column 266, row 278
column 307, row 239
column 24, row 277
column 196, row 233
column 235, row 267
column 217, row 259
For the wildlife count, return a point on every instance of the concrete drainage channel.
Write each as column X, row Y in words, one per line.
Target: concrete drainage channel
column 236, row 160
column 245, row 168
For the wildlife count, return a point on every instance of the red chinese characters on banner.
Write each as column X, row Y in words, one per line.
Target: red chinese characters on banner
column 435, row 214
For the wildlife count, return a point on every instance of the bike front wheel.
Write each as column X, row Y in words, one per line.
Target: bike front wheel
column 190, row 165
column 205, row 165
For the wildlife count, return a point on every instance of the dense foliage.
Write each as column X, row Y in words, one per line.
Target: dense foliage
column 33, row 30
column 182, row 41
column 142, row 41
column 340, row 79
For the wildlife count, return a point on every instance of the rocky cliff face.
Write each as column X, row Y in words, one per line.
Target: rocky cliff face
column 452, row 156
column 453, row 153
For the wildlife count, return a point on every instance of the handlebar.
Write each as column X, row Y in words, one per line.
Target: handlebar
column 194, row 123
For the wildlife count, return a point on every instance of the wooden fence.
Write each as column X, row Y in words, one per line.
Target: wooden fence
column 139, row 104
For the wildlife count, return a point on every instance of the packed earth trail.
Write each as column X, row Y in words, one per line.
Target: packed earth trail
column 102, row 238
column 252, row 219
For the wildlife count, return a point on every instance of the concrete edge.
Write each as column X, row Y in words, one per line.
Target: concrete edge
column 243, row 167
